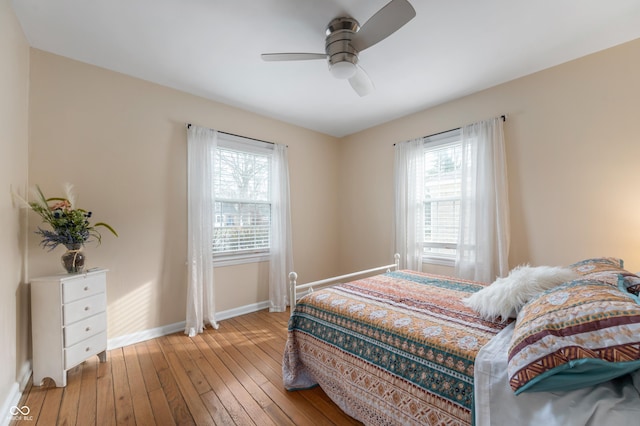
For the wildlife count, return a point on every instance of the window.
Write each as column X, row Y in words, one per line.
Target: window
column 242, row 188
column 442, row 186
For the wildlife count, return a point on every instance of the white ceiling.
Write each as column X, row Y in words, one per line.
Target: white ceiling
column 212, row 48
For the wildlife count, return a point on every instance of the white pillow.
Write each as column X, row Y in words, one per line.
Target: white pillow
column 505, row 296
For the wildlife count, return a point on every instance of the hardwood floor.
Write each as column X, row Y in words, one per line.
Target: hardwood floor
column 221, row 377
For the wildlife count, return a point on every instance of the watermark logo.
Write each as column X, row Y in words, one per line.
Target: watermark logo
column 23, row 411
column 20, row 413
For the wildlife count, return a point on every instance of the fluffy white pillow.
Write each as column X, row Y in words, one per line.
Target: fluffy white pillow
column 505, row 296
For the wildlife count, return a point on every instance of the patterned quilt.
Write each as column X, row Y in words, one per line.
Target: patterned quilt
column 397, row 348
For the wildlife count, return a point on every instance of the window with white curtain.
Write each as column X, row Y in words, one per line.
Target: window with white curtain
column 442, row 190
column 242, row 207
column 450, row 203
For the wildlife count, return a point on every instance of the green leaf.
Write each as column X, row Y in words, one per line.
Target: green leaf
column 113, row 231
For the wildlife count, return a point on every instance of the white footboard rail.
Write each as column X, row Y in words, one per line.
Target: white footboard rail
column 294, row 288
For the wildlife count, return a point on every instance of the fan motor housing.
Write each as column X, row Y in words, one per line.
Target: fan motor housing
column 338, row 47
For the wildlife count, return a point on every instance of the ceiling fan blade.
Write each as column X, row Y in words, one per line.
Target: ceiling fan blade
column 383, row 23
column 292, row 56
column 361, row 82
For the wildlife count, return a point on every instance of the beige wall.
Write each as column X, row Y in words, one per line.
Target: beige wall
column 122, row 142
column 14, row 312
column 572, row 153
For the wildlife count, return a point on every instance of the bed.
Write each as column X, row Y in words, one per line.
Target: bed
column 402, row 347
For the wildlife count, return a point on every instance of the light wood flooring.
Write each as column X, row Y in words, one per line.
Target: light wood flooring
column 228, row 376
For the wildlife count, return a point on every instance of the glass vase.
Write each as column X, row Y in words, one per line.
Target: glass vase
column 73, row 259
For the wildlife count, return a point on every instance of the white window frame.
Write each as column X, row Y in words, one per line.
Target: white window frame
column 452, row 137
column 238, row 143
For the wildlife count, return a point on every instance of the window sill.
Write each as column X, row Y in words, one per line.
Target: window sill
column 238, row 259
column 443, row 261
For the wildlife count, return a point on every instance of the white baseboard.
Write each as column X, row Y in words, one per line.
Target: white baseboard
column 242, row 310
column 141, row 336
column 12, row 400
column 24, row 375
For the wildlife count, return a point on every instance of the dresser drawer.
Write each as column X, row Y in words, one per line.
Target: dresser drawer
column 84, row 308
column 84, row 286
column 77, row 353
column 84, row 329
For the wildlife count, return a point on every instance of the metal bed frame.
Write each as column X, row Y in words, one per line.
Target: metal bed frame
column 308, row 288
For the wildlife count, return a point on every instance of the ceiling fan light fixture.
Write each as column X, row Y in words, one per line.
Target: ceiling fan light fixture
column 345, row 39
column 343, row 70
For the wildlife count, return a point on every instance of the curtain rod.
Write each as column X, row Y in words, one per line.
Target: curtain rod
column 503, row 116
column 239, row 136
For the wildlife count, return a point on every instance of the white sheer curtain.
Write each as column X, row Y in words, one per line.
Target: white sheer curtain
column 409, row 203
column 483, row 244
column 281, row 253
column 201, row 148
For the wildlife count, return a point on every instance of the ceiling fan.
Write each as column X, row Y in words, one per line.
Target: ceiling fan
column 346, row 39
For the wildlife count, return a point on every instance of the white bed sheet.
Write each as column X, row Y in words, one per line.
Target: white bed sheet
column 616, row 402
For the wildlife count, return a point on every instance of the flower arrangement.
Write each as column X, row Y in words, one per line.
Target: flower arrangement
column 71, row 226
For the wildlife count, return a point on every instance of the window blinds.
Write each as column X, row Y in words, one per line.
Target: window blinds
column 442, row 185
column 242, row 207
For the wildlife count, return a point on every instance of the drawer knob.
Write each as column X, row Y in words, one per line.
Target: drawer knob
column 86, row 288
column 87, row 349
column 86, row 308
column 87, row 329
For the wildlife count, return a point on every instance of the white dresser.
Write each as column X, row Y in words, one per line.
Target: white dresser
column 69, row 322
